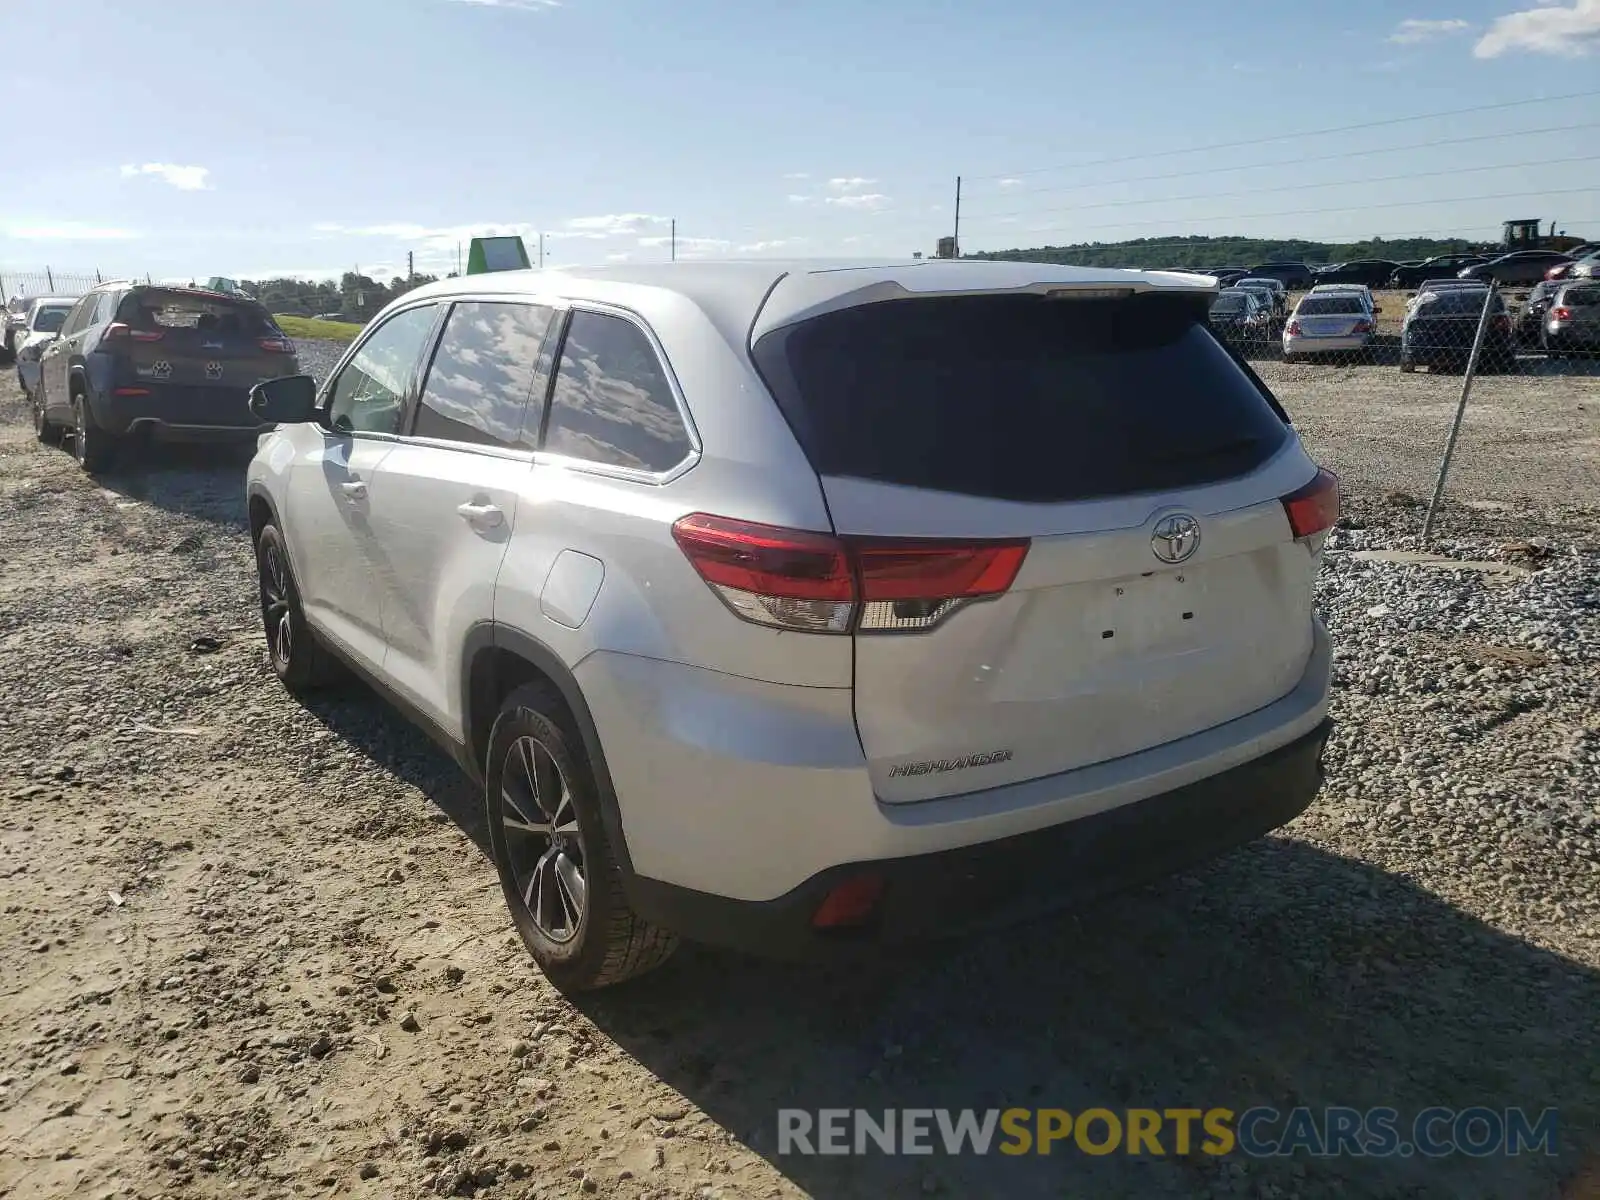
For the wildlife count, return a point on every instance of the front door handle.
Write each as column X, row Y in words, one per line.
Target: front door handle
column 481, row 516
column 354, row 491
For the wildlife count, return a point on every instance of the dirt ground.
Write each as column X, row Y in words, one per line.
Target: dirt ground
column 255, row 949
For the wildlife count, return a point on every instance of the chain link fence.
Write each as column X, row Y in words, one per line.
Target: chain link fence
column 46, row 282
column 1452, row 391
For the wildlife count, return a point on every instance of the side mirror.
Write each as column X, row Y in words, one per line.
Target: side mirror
column 287, row 400
column 1377, row 308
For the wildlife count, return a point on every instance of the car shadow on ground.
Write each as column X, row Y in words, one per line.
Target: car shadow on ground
column 1197, row 992
column 201, row 481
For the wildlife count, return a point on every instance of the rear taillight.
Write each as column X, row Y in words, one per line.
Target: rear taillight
column 1561, row 313
column 1502, row 321
column 1363, row 327
column 117, row 331
column 1314, row 508
column 276, row 345
column 818, row 583
column 1294, row 329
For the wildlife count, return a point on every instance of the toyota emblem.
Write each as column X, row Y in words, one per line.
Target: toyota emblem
column 1175, row 538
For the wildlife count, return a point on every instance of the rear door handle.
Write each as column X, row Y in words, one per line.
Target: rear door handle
column 481, row 516
column 355, row 490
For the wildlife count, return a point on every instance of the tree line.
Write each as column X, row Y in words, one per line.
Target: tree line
column 1201, row 252
column 355, row 297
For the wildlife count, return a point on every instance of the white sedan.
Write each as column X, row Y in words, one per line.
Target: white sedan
column 1328, row 323
column 41, row 325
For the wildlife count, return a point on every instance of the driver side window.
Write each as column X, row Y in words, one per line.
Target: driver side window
column 370, row 392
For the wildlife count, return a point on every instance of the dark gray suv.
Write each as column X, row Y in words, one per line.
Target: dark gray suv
column 171, row 363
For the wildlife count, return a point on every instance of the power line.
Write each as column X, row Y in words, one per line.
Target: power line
column 1301, row 187
column 1305, row 212
column 1313, row 158
column 1284, row 137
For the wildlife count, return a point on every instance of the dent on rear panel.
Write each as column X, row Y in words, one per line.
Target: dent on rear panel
column 571, row 587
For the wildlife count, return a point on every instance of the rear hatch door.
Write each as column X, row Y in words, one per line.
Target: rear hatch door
column 217, row 345
column 1162, row 590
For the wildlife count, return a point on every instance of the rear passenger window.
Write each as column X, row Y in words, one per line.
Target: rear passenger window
column 483, row 373
column 612, row 403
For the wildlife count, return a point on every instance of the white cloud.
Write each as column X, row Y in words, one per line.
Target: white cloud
column 520, row 5
column 1412, row 30
column 770, row 244
column 697, row 243
column 65, row 231
column 613, row 224
column 1568, row 32
column 849, row 183
column 1010, row 183
column 866, row 201
column 798, row 175
column 185, row 179
column 798, row 199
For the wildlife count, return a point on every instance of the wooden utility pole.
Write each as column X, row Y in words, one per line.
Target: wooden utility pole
column 674, row 239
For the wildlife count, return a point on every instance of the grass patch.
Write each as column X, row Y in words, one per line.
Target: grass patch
column 326, row 331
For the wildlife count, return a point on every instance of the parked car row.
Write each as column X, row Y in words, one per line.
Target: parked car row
column 1519, row 268
column 1440, row 323
column 128, row 360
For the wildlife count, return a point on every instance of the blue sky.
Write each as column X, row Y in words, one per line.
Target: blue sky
column 311, row 136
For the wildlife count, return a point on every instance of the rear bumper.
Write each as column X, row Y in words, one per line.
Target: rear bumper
column 175, row 413
column 729, row 793
column 1324, row 345
column 998, row 883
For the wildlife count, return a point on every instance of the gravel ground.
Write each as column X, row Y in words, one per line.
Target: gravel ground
column 255, row 949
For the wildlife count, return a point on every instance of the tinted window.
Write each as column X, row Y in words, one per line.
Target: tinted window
column 483, row 373
column 370, row 392
column 150, row 308
column 1228, row 304
column 612, row 403
column 1318, row 306
column 1453, row 301
column 1585, row 297
column 1020, row 398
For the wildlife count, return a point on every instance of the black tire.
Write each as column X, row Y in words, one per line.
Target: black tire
column 552, row 852
column 300, row 661
column 94, row 448
column 46, row 430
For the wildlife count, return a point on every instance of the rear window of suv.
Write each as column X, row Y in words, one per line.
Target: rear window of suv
column 158, row 309
column 1021, row 397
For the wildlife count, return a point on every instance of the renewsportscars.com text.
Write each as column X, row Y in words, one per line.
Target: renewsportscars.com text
column 1256, row 1132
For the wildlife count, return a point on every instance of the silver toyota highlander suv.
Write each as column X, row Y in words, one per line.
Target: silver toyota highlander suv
column 790, row 606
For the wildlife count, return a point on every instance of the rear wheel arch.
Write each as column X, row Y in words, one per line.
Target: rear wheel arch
column 498, row 659
column 262, row 513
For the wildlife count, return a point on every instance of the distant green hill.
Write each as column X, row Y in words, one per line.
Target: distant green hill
column 1198, row 252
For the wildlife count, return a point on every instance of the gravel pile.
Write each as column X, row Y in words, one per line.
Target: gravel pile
column 254, row 948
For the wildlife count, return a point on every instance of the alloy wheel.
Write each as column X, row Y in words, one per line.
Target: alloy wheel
column 275, row 613
column 543, row 840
